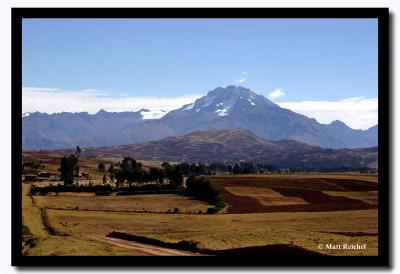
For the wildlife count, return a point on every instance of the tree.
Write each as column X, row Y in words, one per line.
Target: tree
column 78, row 151
column 76, row 170
column 174, row 175
column 104, row 179
column 101, row 167
column 236, row 169
column 111, row 170
column 165, row 165
column 156, row 174
column 120, row 177
column 69, row 168
column 131, row 170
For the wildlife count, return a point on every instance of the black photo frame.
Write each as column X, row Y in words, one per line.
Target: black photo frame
column 382, row 14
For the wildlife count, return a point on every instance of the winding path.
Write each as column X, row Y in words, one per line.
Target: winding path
column 145, row 248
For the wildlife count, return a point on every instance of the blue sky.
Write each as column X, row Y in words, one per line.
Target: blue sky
column 304, row 59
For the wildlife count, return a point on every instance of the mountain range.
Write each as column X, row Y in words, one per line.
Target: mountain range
column 222, row 108
column 234, row 145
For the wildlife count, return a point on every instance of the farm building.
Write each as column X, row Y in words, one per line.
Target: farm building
column 46, row 174
column 84, row 175
column 30, row 178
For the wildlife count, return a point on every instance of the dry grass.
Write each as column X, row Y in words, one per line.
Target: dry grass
column 134, row 203
column 265, row 196
column 224, row 231
column 48, row 245
column 77, row 246
column 219, row 231
column 31, row 214
column 51, row 160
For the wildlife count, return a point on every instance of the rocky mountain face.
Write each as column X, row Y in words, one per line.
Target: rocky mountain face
column 63, row 130
column 221, row 108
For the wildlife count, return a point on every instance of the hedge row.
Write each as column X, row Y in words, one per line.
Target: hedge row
column 106, row 189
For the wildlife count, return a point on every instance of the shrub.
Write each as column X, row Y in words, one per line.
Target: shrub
column 102, row 193
column 219, row 201
column 101, row 167
column 202, row 189
column 213, row 210
column 104, row 188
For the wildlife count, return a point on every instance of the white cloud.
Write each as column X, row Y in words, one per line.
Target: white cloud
column 153, row 114
column 241, row 79
column 356, row 112
column 51, row 100
column 277, row 93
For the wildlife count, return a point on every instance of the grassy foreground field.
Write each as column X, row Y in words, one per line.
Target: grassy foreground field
column 223, row 231
column 164, row 203
column 79, row 221
column 40, row 242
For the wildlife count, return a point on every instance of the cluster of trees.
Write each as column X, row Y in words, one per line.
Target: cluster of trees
column 106, row 189
column 243, row 167
column 131, row 171
column 202, row 189
column 44, row 190
column 237, row 168
column 127, row 171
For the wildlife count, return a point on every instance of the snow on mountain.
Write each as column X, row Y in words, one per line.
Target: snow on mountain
column 222, row 111
column 221, row 101
column 188, row 106
column 221, row 108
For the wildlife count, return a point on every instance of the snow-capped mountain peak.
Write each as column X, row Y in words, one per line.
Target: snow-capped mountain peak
column 221, row 102
column 221, row 108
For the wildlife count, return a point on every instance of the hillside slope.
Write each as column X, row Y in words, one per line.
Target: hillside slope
column 233, row 145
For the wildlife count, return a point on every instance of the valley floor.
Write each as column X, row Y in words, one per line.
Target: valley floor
column 77, row 225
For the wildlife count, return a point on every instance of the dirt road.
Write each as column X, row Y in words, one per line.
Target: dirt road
column 145, row 248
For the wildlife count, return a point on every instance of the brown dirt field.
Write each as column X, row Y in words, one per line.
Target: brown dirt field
column 308, row 189
column 265, row 196
column 370, row 197
column 322, row 183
